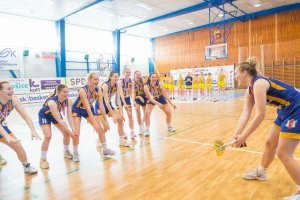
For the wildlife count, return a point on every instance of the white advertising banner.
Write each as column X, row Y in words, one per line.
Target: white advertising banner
column 9, row 58
column 36, row 98
column 20, row 85
column 75, row 82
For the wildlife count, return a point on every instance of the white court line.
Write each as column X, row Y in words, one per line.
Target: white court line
column 210, row 145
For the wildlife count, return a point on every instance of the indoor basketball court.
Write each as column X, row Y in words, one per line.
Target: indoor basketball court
column 51, row 43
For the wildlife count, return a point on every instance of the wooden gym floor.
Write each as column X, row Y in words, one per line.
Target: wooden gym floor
column 180, row 165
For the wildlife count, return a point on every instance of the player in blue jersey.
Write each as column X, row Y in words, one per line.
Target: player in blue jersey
column 140, row 99
column 284, row 135
column 125, row 85
column 109, row 89
column 83, row 107
column 54, row 107
column 157, row 95
column 188, row 82
column 7, row 103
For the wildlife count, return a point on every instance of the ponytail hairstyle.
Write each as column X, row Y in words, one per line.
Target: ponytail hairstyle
column 249, row 66
column 148, row 80
column 57, row 89
column 111, row 75
column 2, row 83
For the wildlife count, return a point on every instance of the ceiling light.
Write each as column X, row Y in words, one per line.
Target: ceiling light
column 257, row 5
column 191, row 23
column 143, row 5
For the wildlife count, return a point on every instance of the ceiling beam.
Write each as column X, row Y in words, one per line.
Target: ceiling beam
column 82, row 8
column 244, row 17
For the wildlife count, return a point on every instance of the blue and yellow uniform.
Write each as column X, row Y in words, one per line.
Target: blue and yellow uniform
column 45, row 115
column 111, row 91
column 139, row 91
column 5, row 110
column 209, row 82
column 126, row 87
column 221, row 80
column 180, row 82
column 188, row 82
column 78, row 109
column 155, row 91
column 196, row 82
column 287, row 100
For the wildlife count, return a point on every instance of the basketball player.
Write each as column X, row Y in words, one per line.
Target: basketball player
column 156, row 95
column 51, row 113
column 7, row 103
column 285, row 132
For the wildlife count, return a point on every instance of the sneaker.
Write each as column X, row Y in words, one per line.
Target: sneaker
column 108, row 152
column 141, row 131
column 295, row 196
column 98, row 143
column 2, row 161
column 147, row 133
column 44, row 164
column 30, row 170
column 76, row 157
column 124, row 142
column 133, row 136
column 254, row 175
column 171, row 129
column 68, row 155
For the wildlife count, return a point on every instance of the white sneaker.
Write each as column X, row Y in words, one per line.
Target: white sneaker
column 141, row 131
column 147, row 133
column 76, row 157
column 2, row 161
column 171, row 129
column 108, row 152
column 30, row 170
column 295, row 196
column 133, row 136
column 124, row 142
column 255, row 175
column 98, row 143
column 44, row 164
column 68, row 155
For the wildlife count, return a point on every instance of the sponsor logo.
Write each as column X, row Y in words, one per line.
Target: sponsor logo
column 23, row 99
column 291, row 123
column 34, row 86
column 19, row 85
column 37, row 98
column 49, row 84
column 7, row 52
column 71, row 82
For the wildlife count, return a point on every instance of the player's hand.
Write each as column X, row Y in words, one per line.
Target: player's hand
column 142, row 99
column 240, row 141
column 97, row 128
column 35, row 135
column 115, row 119
column 160, row 106
column 174, row 106
column 11, row 140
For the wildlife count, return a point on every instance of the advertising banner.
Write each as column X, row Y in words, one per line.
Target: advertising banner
column 9, row 58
